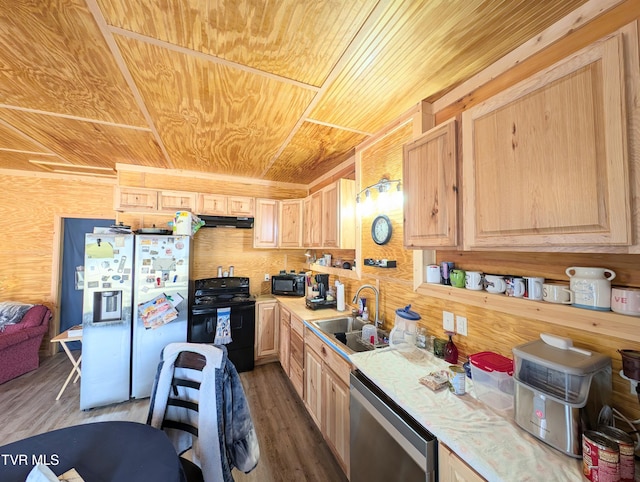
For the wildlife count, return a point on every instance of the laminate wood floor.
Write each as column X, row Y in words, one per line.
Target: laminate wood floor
column 291, row 446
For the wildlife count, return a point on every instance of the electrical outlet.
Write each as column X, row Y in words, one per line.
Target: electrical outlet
column 447, row 321
column 266, row 276
column 461, row 325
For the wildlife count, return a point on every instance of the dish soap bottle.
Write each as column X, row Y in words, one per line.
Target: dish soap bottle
column 365, row 314
column 450, row 350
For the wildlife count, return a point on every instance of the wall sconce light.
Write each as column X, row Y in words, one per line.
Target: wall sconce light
column 310, row 255
column 387, row 198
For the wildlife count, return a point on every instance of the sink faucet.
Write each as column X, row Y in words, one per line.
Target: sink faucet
column 377, row 320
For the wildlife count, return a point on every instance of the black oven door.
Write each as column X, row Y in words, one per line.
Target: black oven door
column 202, row 329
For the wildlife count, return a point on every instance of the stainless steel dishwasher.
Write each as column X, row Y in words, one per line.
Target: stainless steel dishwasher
column 386, row 443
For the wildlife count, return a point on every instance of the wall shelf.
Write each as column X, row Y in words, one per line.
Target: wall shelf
column 345, row 273
column 598, row 322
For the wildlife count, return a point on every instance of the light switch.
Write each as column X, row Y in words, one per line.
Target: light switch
column 447, row 321
column 461, row 325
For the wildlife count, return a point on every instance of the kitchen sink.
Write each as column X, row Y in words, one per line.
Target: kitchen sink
column 340, row 325
column 347, row 331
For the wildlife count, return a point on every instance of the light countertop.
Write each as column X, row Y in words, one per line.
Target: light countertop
column 487, row 440
column 298, row 306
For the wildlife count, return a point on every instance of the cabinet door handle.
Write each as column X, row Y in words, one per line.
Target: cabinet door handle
column 323, row 350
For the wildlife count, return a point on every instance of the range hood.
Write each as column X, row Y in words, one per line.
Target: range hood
column 226, row 222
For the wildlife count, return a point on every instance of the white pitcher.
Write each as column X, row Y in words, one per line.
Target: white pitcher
column 591, row 287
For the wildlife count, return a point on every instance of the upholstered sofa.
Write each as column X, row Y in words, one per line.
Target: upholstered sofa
column 22, row 328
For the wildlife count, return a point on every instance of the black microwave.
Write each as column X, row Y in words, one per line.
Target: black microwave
column 288, row 284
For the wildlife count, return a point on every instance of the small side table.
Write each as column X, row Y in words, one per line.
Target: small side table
column 72, row 334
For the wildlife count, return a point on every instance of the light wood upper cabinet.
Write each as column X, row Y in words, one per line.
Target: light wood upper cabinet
column 267, row 329
column 240, row 206
column 430, row 184
column 135, row 199
column 339, row 214
column 265, row 226
column 545, row 162
column 312, row 237
column 171, row 201
column 330, row 216
column 212, row 204
column 221, row 205
column 290, row 223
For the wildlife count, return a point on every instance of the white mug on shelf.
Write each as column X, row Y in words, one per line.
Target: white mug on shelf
column 473, row 280
column 533, row 288
column 515, row 286
column 433, row 273
column 494, row 283
column 557, row 293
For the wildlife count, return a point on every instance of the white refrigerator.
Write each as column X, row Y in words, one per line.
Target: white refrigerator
column 160, row 303
column 106, row 319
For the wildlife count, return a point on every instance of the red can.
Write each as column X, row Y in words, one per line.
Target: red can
column 626, row 445
column 600, row 457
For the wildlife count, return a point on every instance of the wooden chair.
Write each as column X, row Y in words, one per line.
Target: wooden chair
column 192, row 361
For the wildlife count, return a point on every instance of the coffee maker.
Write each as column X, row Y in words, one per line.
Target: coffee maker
column 321, row 301
column 323, row 285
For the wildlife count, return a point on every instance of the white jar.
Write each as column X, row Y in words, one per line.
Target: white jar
column 591, row 287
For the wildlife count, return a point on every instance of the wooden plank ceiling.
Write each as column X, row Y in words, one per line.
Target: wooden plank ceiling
column 280, row 90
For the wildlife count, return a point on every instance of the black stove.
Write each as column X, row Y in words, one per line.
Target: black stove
column 211, row 300
column 218, row 292
column 207, row 297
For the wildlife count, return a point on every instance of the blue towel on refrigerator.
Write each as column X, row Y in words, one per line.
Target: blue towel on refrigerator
column 223, row 327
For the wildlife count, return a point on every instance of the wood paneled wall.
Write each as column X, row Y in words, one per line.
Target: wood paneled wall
column 488, row 329
column 34, row 208
column 28, row 252
column 215, row 247
column 199, row 182
column 384, row 160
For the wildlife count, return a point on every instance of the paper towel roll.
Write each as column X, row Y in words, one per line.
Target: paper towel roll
column 340, row 305
column 182, row 223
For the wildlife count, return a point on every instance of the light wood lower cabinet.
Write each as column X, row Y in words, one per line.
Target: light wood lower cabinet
column 452, row 468
column 327, row 394
column 296, row 355
column 267, row 330
column 335, row 416
column 291, row 348
column 285, row 330
column 313, row 385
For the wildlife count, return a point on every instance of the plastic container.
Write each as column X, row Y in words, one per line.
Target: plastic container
column 369, row 331
column 492, row 379
column 403, row 334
